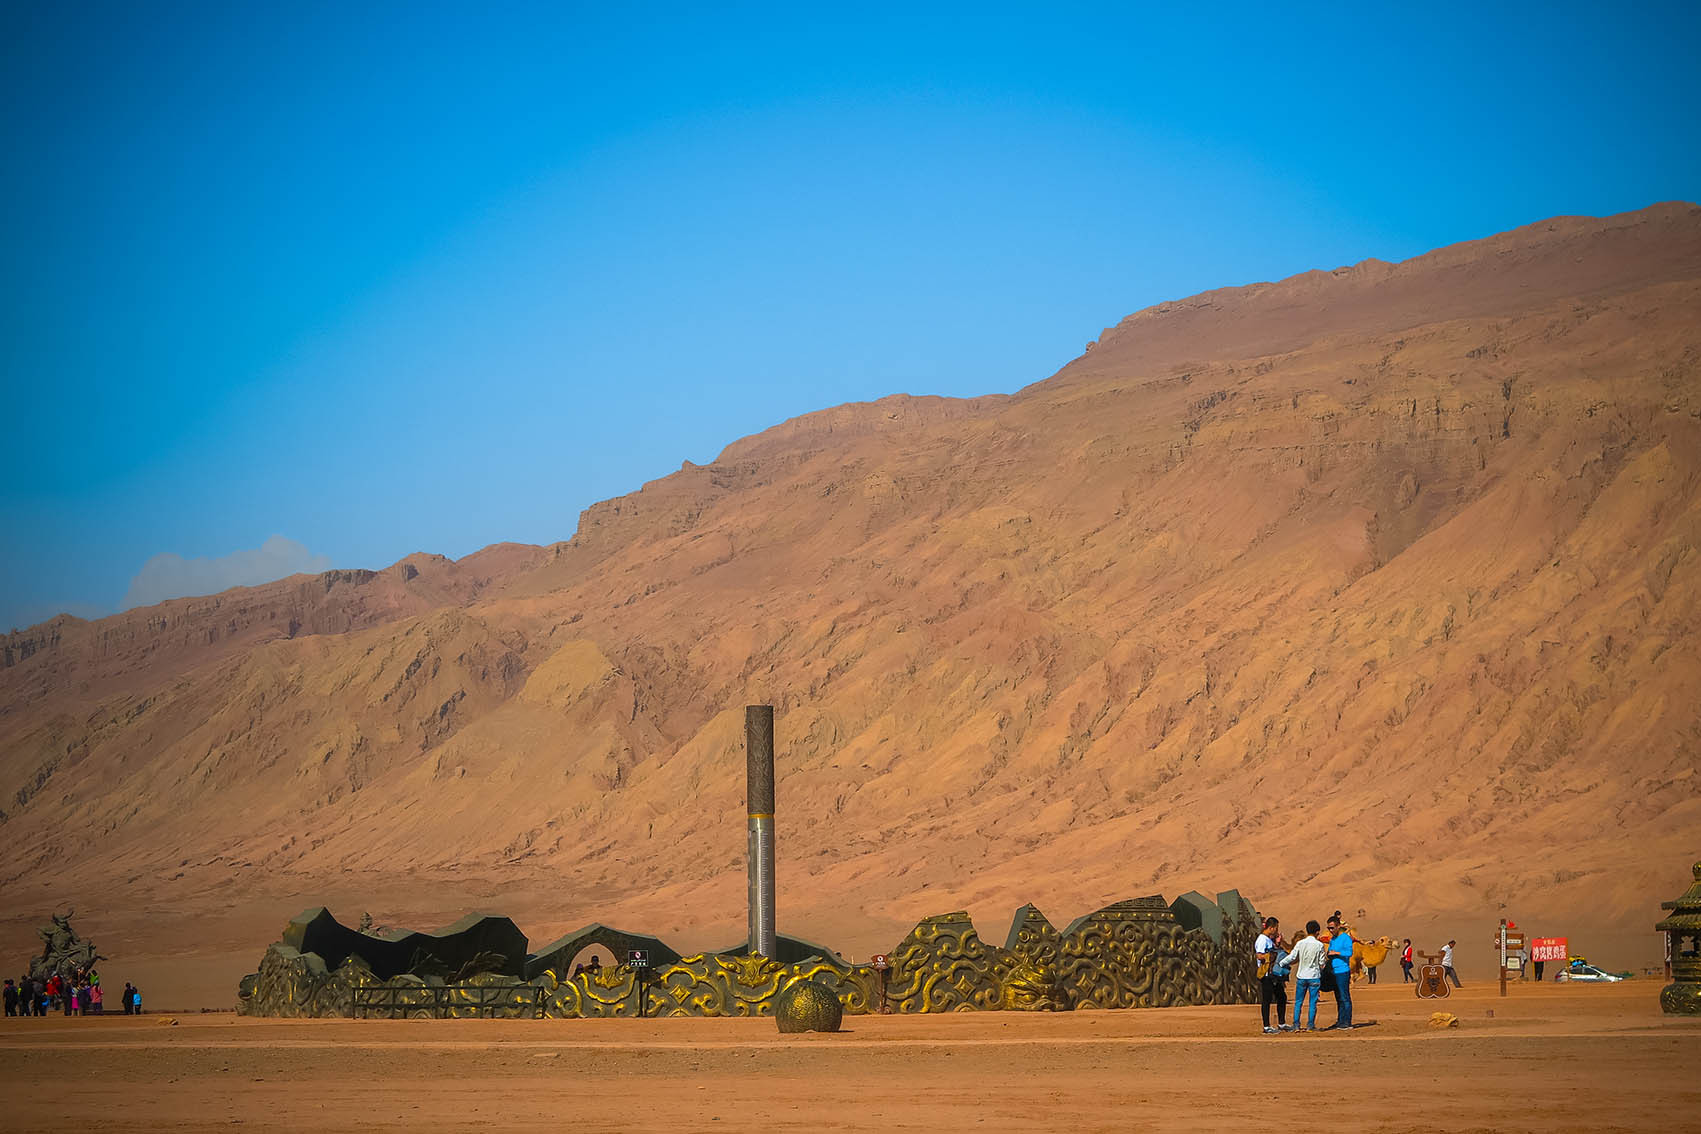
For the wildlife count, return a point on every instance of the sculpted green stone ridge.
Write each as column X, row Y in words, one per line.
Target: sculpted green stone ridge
column 1135, row 954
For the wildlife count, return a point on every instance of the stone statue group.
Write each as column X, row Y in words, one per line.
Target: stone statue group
column 63, row 953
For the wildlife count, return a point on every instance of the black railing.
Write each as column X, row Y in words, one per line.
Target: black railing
column 447, row 1001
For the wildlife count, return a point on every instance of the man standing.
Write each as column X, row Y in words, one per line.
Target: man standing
column 1272, row 989
column 1341, row 963
column 1308, row 959
column 1447, row 964
column 1406, row 962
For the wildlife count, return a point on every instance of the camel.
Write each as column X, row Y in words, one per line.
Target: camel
column 1366, row 954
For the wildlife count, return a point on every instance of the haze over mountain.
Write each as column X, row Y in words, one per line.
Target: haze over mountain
column 1367, row 589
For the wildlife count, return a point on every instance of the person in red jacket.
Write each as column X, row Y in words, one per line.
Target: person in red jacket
column 1406, row 961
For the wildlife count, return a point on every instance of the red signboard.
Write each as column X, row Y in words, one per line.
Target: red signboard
column 1549, row 949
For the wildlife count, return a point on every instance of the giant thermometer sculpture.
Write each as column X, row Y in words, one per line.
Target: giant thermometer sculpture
column 759, row 782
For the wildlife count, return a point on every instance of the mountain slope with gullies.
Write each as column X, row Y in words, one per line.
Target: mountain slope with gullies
column 1373, row 589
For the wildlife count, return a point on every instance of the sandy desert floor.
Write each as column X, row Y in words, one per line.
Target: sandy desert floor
column 1546, row 1057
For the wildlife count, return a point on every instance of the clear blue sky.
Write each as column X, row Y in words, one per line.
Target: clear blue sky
column 428, row 276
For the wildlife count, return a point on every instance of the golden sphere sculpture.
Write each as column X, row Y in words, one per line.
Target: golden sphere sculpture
column 808, row 1006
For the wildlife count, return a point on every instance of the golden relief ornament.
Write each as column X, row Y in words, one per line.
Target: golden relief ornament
column 1028, row 987
column 336, row 995
column 942, row 966
column 1032, row 936
column 1131, row 954
column 712, row 985
column 597, row 994
column 287, row 983
column 1136, row 954
column 856, row 986
column 490, row 996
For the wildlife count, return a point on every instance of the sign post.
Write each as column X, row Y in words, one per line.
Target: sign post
column 639, row 960
column 1510, row 941
column 880, row 965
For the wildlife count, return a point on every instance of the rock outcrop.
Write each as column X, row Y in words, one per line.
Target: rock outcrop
column 1377, row 588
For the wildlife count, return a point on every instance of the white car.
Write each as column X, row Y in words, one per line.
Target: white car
column 1588, row 973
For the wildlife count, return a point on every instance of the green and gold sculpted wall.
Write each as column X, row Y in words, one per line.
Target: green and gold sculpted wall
column 1143, row 953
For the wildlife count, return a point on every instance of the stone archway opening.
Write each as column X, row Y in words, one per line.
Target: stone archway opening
column 582, row 960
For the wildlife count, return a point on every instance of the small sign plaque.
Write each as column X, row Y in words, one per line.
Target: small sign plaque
column 638, row 958
column 879, row 962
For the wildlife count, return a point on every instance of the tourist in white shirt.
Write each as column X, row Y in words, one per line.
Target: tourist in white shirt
column 1306, row 960
column 1272, row 978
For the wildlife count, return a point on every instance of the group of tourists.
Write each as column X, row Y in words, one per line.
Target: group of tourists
column 1319, row 961
column 79, row 994
column 1406, row 965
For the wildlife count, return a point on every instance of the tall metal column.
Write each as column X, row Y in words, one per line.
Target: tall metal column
column 759, row 784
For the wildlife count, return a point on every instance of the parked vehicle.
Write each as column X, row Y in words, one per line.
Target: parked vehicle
column 1589, row 974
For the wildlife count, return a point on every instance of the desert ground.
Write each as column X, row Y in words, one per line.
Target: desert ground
column 1545, row 1057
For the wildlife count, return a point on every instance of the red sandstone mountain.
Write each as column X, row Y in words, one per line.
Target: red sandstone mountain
column 1368, row 589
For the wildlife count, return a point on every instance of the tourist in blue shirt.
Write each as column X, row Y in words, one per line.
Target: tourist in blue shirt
column 1341, row 963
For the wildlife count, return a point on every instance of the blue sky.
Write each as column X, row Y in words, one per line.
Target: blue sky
column 379, row 279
